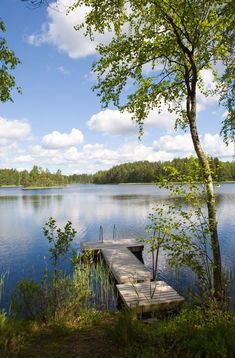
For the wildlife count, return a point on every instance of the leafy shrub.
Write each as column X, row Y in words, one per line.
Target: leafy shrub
column 197, row 332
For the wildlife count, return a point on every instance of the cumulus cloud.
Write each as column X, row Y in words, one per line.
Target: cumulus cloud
column 178, row 143
column 114, row 122
column 209, row 85
column 214, row 145
column 181, row 145
column 94, row 157
column 23, row 159
column 60, row 149
column 133, row 152
column 56, row 139
column 13, row 130
column 59, row 31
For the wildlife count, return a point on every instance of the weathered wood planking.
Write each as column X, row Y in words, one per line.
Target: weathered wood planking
column 131, row 244
column 149, row 296
column 125, row 266
column 134, row 280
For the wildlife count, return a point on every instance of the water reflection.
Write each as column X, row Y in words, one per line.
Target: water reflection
column 23, row 214
column 8, row 198
column 39, row 202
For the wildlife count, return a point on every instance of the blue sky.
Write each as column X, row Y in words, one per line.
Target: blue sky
column 58, row 121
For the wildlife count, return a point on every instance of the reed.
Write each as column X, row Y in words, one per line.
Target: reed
column 97, row 280
column 3, row 316
column 2, row 278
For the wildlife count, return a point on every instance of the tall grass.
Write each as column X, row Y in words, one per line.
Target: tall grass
column 2, row 278
column 2, row 312
column 89, row 286
column 96, row 277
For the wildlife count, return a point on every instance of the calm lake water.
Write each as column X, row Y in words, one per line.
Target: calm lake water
column 23, row 248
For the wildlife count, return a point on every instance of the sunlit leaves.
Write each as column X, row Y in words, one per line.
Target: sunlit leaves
column 8, row 62
column 179, row 38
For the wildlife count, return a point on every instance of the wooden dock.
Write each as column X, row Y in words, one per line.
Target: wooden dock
column 134, row 283
column 150, row 296
column 125, row 266
column 131, row 244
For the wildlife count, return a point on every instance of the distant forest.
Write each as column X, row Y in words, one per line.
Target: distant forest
column 148, row 172
column 37, row 177
column 137, row 172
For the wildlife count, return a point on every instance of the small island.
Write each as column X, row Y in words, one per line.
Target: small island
column 36, row 178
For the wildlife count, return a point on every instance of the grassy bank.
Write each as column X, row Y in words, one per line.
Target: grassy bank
column 193, row 333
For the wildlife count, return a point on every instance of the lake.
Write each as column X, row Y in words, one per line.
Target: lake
column 24, row 249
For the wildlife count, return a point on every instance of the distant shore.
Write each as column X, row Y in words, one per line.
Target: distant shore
column 42, row 187
column 63, row 186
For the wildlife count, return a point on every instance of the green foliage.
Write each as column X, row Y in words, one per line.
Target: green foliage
column 35, row 177
column 48, row 301
column 181, row 227
column 90, row 268
column 55, row 296
column 137, row 172
column 197, row 332
column 62, row 296
column 29, row 301
column 178, row 39
column 126, row 330
column 193, row 333
column 25, row 339
column 2, row 312
column 60, row 241
column 160, row 231
column 146, row 172
column 8, row 62
column 80, row 178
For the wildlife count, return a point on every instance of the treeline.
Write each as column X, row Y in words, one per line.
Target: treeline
column 35, row 177
column 137, row 172
column 80, row 179
column 148, row 172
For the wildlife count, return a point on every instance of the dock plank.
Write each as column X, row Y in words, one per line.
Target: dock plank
column 149, row 296
column 125, row 266
column 132, row 244
column 135, row 287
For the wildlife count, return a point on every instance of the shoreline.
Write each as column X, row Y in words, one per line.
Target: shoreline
column 42, row 187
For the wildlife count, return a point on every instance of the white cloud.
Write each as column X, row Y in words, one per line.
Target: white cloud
column 214, row 145
column 164, row 119
column 148, row 67
column 59, row 31
column 209, row 85
column 134, row 152
column 178, row 143
column 56, row 139
column 72, row 155
column 13, row 130
column 181, row 145
column 38, row 151
column 114, row 122
column 23, row 159
column 94, row 157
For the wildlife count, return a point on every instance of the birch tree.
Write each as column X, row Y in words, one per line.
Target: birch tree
column 179, row 39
